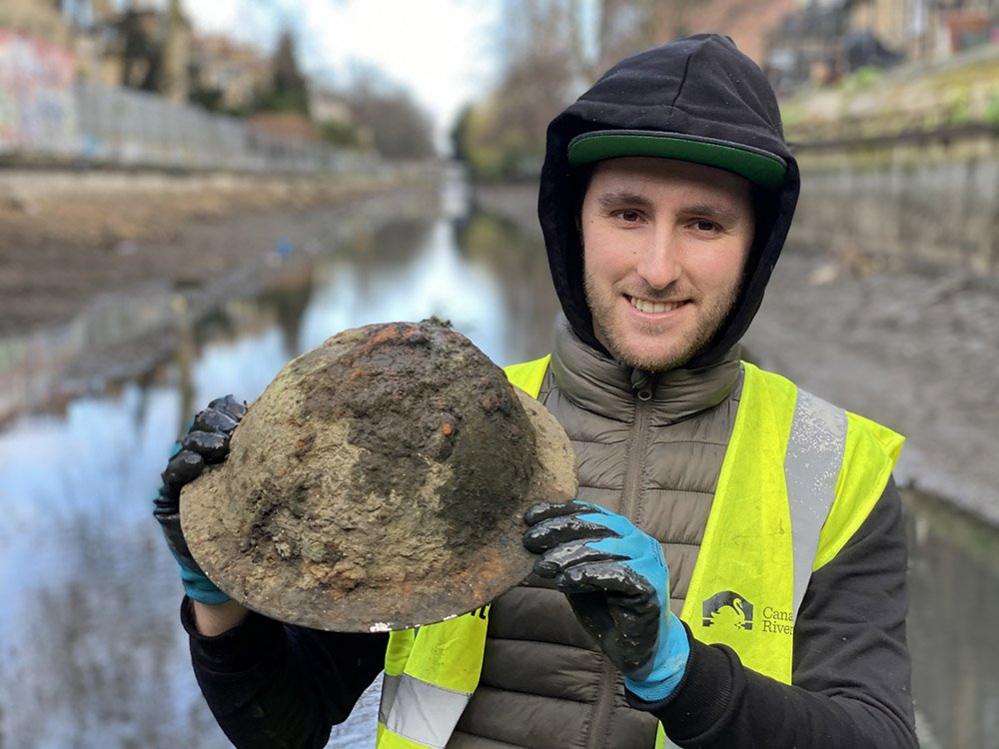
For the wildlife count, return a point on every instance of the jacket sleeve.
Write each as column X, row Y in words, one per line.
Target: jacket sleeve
column 272, row 685
column 851, row 670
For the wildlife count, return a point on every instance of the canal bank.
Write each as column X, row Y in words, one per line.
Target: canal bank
column 67, row 237
column 76, row 313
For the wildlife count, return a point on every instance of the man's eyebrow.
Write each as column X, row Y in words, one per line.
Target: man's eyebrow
column 712, row 210
column 622, row 197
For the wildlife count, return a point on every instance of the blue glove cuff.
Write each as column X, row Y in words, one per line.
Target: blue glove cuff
column 198, row 587
column 669, row 665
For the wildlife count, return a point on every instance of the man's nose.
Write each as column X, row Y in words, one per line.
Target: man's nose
column 659, row 264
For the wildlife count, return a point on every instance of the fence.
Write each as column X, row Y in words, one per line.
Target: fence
column 45, row 115
column 120, row 126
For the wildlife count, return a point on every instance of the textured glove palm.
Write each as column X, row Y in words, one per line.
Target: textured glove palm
column 617, row 582
column 206, row 442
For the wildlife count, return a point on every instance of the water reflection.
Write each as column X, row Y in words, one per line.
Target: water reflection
column 953, row 610
column 90, row 644
column 91, row 652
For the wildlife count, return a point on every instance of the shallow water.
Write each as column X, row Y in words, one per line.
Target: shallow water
column 91, row 651
column 953, row 611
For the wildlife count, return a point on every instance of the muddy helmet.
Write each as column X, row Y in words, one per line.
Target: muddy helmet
column 378, row 483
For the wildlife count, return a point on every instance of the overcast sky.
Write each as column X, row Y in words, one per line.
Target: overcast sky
column 442, row 50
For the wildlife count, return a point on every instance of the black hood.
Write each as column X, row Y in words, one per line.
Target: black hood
column 701, row 87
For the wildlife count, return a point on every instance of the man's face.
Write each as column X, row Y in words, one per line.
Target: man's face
column 664, row 246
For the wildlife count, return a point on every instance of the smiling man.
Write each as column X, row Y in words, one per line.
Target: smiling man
column 732, row 573
column 664, row 245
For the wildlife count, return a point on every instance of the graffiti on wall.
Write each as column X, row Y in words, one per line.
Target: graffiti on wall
column 37, row 106
column 46, row 113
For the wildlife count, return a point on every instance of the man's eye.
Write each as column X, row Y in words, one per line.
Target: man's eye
column 705, row 225
column 629, row 216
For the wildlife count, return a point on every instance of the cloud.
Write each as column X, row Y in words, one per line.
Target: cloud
column 214, row 17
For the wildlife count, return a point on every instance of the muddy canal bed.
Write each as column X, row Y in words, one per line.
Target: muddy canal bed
column 60, row 248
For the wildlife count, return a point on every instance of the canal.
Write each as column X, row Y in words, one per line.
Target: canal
column 91, row 651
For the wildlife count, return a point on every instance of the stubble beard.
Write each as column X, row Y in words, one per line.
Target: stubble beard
column 609, row 333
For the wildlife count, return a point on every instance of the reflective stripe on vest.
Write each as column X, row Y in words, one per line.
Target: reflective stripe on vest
column 430, row 674
column 811, row 466
column 434, row 714
column 767, row 531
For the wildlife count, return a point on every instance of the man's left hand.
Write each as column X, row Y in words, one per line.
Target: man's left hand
column 616, row 580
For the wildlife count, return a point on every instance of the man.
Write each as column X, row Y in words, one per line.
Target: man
column 710, row 492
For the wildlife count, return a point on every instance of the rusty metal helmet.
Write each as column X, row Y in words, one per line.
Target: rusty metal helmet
column 378, row 483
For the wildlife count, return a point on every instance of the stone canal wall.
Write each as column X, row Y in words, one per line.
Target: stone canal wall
column 901, row 167
column 932, row 200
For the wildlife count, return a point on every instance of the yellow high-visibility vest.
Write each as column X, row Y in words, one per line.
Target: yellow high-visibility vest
column 798, row 479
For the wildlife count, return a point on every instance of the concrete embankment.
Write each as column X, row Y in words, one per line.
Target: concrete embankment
column 912, row 345
column 931, row 200
column 914, row 351
column 901, row 167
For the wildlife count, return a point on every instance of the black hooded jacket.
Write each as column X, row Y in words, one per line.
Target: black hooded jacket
column 703, row 88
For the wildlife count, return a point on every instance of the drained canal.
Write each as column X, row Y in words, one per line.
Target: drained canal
column 91, row 651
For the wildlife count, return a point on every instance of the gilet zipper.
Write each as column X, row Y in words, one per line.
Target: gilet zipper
column 629, row 503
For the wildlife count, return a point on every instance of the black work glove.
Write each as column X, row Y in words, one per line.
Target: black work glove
column 616, row 579
column 206, row 442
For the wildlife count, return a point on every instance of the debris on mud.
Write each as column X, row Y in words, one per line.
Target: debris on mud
column 378, row 483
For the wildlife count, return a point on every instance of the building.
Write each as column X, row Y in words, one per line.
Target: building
column 39, row 19
column 328, row 108
column 927, row 29
column 822, row 40
column 226, row 75
column 145, row 47
column 748, row 22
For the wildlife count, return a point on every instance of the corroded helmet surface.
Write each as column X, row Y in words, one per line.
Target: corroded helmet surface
column 378, row 483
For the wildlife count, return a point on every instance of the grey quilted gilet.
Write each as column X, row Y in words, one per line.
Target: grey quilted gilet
column 545, row 684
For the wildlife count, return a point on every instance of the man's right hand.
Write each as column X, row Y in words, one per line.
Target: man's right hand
column 206, row 442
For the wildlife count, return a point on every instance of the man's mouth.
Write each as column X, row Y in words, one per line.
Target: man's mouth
column 645, row 305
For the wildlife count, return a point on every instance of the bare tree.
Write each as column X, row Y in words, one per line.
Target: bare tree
column 550, row 51
column 289, row 83
column 174, row 81
column 396, row 126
